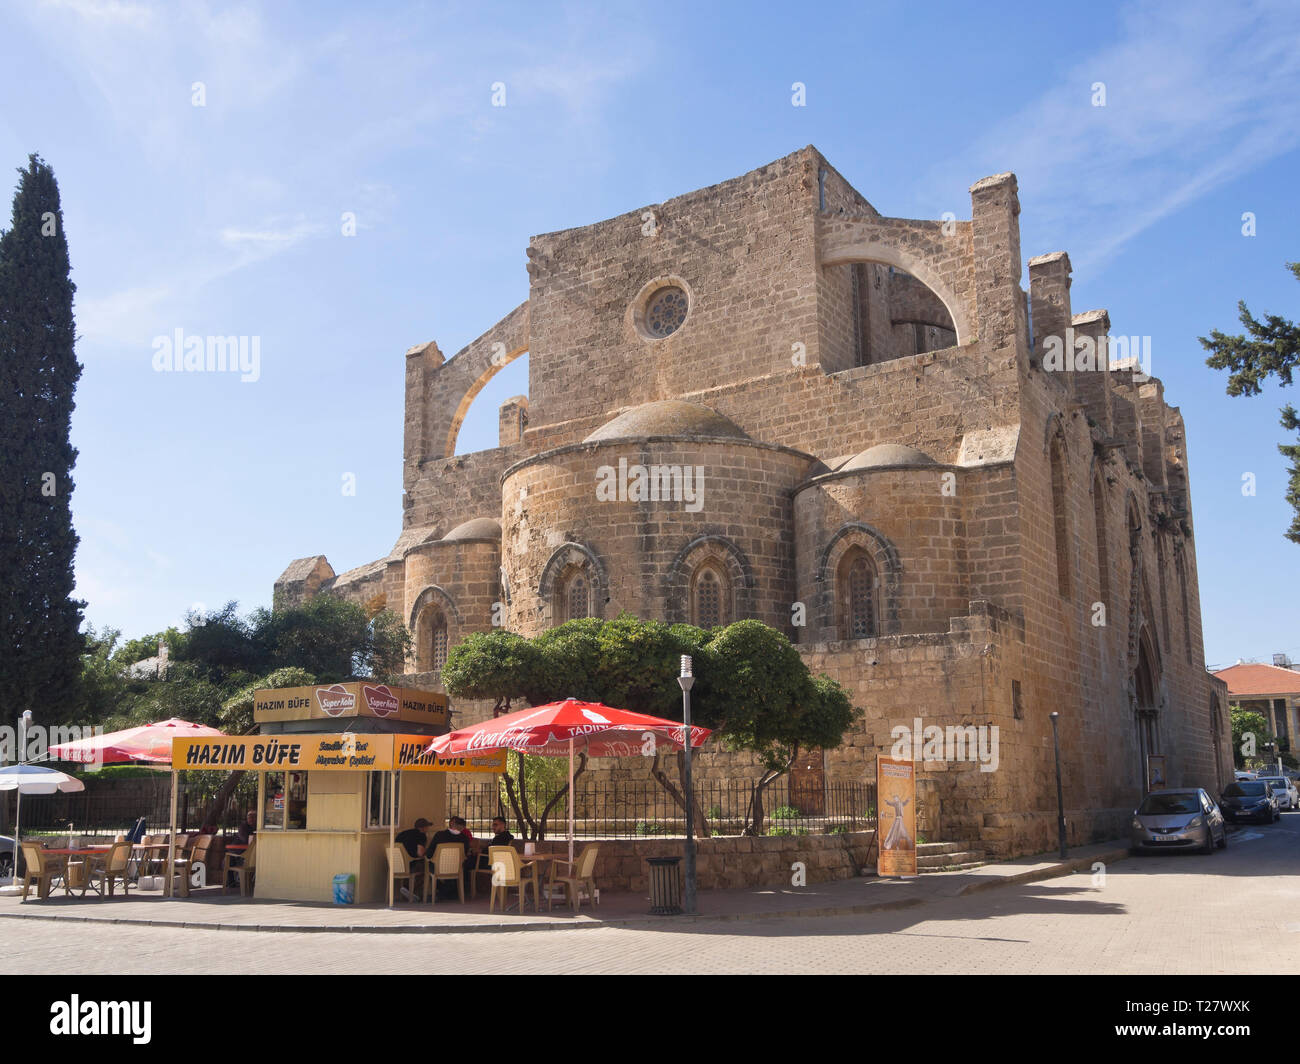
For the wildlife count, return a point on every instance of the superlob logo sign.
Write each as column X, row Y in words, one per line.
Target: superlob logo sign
column 382, row 701
column 335, row 700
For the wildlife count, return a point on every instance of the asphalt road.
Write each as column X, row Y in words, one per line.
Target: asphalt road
column 1234, row 911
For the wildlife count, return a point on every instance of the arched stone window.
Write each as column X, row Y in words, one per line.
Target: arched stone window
column 437, row 639
column 858, row 595
column 433, row 617
column 1060, row 522
column 573, row 596
column 710, row 597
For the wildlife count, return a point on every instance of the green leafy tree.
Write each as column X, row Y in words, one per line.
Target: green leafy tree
column 1249, row 732
column 1272, row 350
column 752, row 688
column 333, row 639
column 40, row 621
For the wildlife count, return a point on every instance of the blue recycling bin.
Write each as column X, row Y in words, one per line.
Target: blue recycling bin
column 345, row 888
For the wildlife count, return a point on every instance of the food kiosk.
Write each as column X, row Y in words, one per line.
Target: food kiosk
column 341, row 768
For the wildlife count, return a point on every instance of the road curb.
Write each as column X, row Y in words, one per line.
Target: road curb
column 1060, row 868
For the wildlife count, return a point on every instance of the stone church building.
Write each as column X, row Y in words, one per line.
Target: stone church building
column 765, row 399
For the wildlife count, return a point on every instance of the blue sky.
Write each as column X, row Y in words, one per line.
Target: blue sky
column 227, row 219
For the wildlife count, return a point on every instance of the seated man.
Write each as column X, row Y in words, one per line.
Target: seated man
column 454, row 832
column 500, row 837
column 414, row 840
column 248, row 828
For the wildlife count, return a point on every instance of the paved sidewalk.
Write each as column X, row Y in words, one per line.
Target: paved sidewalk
column 211, row 910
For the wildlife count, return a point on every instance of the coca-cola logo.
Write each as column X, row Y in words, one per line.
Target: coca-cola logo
column 382, row 701
column 336, row 700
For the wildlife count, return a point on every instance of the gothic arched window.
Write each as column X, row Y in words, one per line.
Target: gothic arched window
column 709, row 598
column 858, row 586
column 1059, row 520
column 573, row 597
column 437, row 639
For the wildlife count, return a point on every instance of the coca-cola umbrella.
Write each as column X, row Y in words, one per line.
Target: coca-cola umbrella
column 560, row 728
column 148, row 742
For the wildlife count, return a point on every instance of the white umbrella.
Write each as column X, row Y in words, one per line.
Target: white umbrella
column 32, row 779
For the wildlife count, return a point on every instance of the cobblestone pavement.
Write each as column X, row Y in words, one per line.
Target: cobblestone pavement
column 1235, row 911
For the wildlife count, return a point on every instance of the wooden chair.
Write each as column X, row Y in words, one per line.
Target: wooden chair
column 448, row 863
column 112, row 866
column 507, row 872
column 402, row 866
column 244, row 871
column 42, row 869
column 581, row 874
column 183, row 867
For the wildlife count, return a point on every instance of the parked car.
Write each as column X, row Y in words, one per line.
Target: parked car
column 1242, row 774
column 6, row 856
column 1284, row 790
column 1177, row 820
column 1249, row 800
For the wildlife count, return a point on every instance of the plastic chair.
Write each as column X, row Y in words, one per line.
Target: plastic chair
column 507, row 872
column 244, row 871
column 448, row 861
column 402, row 866
column 40, row 870
column 114, row 866
column 582, row 873
column 183, row 867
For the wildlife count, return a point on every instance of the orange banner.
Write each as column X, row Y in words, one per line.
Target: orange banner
column 895, row 816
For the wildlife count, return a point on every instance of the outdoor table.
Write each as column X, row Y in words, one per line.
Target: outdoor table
column 536, row 861
column 67, row 853
column 142, row 854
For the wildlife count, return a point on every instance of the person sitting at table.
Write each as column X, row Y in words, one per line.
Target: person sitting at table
column 455, row 832
column 500, row 837
column 248, row 828
column 415, row 840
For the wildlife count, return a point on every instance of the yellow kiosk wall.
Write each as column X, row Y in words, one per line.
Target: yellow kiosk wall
column 301, row 865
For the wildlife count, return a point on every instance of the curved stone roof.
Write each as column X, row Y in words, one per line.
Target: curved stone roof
column 667, row 417
column 888, row 454
column 478, row 528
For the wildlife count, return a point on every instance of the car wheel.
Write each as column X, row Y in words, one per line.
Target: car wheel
column 1208, row 848
column 1223, row 840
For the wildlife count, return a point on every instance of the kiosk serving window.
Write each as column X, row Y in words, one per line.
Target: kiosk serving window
column 379, row 798
column 286, row 801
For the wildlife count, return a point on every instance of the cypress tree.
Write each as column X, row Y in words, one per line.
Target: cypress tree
column 40, row 643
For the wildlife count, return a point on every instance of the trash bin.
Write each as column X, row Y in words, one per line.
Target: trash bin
column 665, row 886
column 345, row 888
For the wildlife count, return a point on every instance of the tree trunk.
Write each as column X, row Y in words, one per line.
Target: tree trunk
column 678, row 795
column 582, row 764
column 755, row 815
column 220, row 800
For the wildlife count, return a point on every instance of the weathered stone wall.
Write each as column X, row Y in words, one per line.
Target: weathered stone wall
column 730, row 861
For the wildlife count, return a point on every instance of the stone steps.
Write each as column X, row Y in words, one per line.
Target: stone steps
column 947, row 857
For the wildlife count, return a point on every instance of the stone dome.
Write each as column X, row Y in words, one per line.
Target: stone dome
column 478, row 528
column 668, row 417
column 888, row 454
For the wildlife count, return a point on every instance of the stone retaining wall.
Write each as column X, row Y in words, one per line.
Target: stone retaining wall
column 730, row 861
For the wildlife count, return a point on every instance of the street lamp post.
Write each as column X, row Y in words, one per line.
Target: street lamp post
column 1060, row 795
column 687, row 681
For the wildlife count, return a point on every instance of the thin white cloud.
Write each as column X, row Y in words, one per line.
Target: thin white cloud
column 1196, row 94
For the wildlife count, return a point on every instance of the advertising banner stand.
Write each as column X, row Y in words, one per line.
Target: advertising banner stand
column 895, row 816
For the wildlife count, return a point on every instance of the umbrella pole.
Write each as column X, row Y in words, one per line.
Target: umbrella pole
column 570, row 805
column 392, row 829
column 18, row 838
column 171, row 842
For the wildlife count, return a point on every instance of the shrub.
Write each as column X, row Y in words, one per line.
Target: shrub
column 644, row 827
column 785, row 812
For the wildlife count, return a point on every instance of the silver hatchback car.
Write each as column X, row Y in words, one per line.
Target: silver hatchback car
column 1183, row 819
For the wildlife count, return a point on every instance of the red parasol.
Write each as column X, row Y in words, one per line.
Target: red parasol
column 149, row 742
